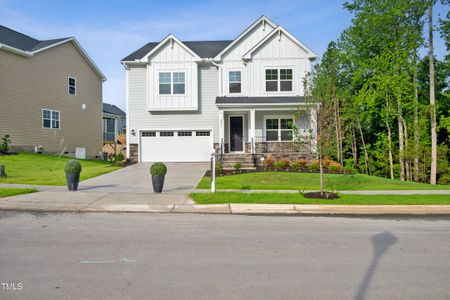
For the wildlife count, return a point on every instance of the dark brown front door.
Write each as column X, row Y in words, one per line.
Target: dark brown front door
column 236, row 133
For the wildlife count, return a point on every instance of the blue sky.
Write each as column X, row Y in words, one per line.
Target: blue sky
column 110, row 30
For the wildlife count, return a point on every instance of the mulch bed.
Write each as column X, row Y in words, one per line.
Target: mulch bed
column 324, row 195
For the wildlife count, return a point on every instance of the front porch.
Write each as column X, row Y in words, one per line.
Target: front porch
column 248, row 134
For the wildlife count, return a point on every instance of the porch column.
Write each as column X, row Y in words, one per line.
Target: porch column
column 221, row 130
column 252, row 129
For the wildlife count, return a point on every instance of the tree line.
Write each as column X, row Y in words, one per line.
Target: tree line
column 384, row 97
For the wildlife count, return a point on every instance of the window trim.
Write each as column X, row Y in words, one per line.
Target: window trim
column 278, row 68
column 278, row 117
column 51, row 119
column 228, row 81
column 68, row 85
column 172, row 94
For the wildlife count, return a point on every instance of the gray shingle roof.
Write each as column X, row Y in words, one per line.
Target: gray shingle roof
column 24, row 42
column 259, row 100
column 204, row 49
column 113, row 110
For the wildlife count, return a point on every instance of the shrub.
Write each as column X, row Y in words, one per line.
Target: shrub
column 158, row 169
column 219, row 167
column 313, row 166
column 4, row 146
column 120, row 157
column 334, row 166
column 444, row 179
column 296, row 165
column 279, row 165
column 72, row 167
column 269, row 162
column 287, row 162
column 348, row 169
column 302, row 162
column 237, row 166
column 326, row 161
column 111, row 157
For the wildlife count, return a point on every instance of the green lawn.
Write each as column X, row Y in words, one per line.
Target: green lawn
column 279, row 198
column 6, row 192
column 30, row 168
column 310, row 181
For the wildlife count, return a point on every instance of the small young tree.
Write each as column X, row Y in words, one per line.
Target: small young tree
column 4, row 146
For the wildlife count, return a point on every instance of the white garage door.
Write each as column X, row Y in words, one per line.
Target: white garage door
column 176, row 146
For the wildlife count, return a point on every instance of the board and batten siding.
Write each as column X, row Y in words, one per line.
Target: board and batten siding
column 276, row 52
column 30, row 84
column 140, row 118
column 171, row 57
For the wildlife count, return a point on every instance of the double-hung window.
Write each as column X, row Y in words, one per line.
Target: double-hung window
column 279, row 80
column 72, row 86
column 279, row 129
column 50, row 119
column 172, row 83
column 234, row 82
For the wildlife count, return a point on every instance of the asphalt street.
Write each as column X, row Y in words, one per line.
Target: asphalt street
column 187, row 256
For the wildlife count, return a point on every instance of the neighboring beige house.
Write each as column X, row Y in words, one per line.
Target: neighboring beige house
column 50, row 95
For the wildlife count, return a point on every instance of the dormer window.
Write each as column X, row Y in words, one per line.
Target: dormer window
column 234, row 82
column 72, row 85
column 172, row 83
column 278, row 80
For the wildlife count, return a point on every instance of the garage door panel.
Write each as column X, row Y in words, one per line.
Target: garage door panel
column 176, row 148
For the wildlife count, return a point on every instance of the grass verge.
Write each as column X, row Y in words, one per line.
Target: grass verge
column 6, row 192
column 279, row 198
column 30, row 168
column 310, row 181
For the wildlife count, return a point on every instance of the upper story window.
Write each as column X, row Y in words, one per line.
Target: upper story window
column 234, row 82
column 50, row 119
column 278, row 80
column 172, row 83
column 72, row 86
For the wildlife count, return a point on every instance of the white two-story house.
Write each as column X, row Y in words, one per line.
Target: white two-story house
column 187, row 99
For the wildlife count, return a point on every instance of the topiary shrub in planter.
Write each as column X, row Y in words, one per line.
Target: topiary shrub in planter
column 158, row 171
column 72, row 170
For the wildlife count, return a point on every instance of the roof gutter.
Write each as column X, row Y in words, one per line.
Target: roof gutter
column 15, row 50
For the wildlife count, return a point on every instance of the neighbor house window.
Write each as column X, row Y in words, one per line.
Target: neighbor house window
column 279, row 80
column 234, row 81
column 72, row 86
column 172, row 83
column 50, row 119
column 279, row 129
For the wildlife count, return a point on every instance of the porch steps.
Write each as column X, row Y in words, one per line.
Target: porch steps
column 245, row 159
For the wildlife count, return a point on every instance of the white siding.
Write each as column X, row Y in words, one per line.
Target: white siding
column 277, row 52
column 206, row 117
column 172, row 58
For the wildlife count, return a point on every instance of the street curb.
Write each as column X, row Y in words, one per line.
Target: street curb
column 256, row 209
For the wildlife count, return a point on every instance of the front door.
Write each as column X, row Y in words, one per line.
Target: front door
column 236, row 133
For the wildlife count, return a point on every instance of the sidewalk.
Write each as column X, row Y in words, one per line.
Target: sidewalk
column 78, row 202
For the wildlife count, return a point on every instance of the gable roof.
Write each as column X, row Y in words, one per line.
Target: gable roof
column 25, row 45
column 243, row 34
column 279, row 30
column 204, row 49
column 113, row 110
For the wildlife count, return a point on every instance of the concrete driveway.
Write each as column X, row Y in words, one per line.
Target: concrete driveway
column 119, row 190
column 181, row 178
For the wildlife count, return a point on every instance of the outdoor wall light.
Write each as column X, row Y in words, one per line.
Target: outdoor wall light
column 133, row 132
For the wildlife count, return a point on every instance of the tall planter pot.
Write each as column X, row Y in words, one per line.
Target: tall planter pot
column 158, row 183
column 72, row 181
